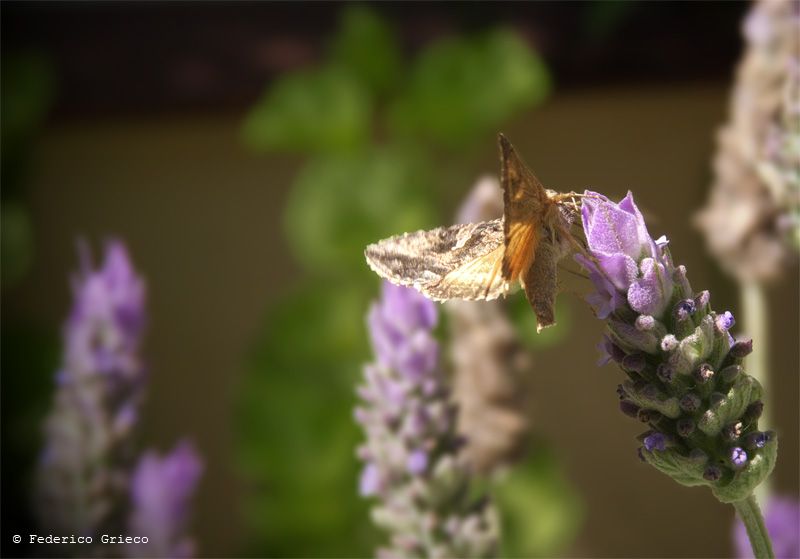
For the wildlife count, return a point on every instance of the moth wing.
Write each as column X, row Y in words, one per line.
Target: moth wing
column 524, row 203
column 456, row 262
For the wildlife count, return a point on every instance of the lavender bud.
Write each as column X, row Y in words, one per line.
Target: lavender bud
column 704, row 373
column 683, row 310
column 690, row 402
column 725, row 321
column 645, row 322
column 629, row 408
column 712, row 473
column 738, row 457
column 730, row 373
column 655, row 441
column 635, row 362
column 665, row 373
column 757, row 440
column 742, row 349
column 754, row 410
column 685, row 426
column 733, row 431
column 715, row 400
column 701, row 300
column 669, row 343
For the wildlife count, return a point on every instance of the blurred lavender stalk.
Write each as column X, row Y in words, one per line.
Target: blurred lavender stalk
column 752, row 221
column 489, row 361
column 782, row 518
column 82, row 473
column 161, row 490
column 411, row 455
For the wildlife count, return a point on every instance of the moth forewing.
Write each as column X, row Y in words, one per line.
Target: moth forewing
column 456, row 262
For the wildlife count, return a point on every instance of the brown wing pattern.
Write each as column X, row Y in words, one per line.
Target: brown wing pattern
column 525, row 202
column 456, row 262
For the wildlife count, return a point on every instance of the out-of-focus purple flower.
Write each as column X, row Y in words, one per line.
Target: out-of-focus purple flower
column 161, row 491
column 83, row 468
column 411, row 450
column 782, row 519
column 684, row 369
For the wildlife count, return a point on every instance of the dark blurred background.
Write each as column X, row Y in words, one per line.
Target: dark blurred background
column 142, row 121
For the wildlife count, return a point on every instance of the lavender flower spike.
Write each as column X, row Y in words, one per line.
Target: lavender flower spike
column 411, row 454
column 685, row 378
column 161, row 489
column 83, row 468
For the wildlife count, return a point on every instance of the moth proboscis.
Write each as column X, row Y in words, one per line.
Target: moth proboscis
column 482, row 261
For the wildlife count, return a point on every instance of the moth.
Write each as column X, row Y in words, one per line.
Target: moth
column 483, row 261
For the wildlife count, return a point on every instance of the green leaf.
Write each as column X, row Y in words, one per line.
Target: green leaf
column 297, row 436
column 340, row 204
column 16, row 242
column 316, row 111
column 683, row 469
column 461, row 89
column 366, row 46
column 541, row 512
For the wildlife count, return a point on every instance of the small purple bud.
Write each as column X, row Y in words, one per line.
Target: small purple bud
column 629, row 408
column 702, row 299
column 704, row 373
column 757, row 440
column 685, row 426
column 645, row 322
column 690, row 402
column 649, row 392
column 742, row 348
column 733, row 431
column 635, row 362
column 725, row 321
column 649, row 416
column 712, row 473
column 417, row 462
column 738, row 457
column 684, row 309
column 665, row 373
column 729, row 373
column 669, row 342
column 370, row 482
column 754, row 410
column 655, row 441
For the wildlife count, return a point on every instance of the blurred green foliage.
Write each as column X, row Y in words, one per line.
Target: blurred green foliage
column 463, row 88
column 341, row 202
column 26, row 93
column 373, row 126
column 541, row 511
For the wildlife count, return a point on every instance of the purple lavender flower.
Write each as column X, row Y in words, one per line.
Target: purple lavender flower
column 161, row 489
column 411, row 453
column 82, row 470
column 782, row 519
column 684, row 369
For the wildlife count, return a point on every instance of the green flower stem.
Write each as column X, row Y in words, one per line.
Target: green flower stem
column 755, row 324
column 754, row 523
